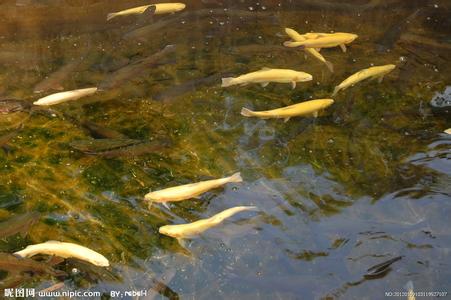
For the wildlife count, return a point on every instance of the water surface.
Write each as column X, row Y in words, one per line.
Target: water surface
column 366, row 182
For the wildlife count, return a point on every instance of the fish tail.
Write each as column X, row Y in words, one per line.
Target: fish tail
column 337, row 88
column 110, row 16
column 330, row 66
column 246, row 112
column 228, row 81
column 236, row 177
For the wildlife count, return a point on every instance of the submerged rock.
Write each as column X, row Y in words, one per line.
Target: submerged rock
column 441, row 103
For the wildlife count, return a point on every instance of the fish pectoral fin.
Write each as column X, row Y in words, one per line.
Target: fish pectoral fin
column 286, row 119
column 165, row 205
column 318, row 49
column 315, row 114
column 343, row 47
column 264, row 84
column 183, row 243
column 293, row 85
column 379, row 80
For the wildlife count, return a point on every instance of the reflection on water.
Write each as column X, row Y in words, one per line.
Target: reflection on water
column 367, row 182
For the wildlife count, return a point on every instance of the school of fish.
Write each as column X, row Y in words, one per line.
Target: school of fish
column 311, row 43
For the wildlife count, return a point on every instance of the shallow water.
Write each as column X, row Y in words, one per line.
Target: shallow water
column 366, row 182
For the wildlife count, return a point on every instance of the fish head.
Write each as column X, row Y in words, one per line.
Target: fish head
column 390, row 67
column 301, row 76
column 327, row 102
column 99, row 260
column 171, row 231
column 179, row 6
column 350, row 37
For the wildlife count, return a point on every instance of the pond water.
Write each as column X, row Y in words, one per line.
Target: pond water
column 366, row 182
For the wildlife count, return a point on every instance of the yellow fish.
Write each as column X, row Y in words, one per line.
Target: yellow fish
column 375, row 72
column 325, row 41
column 448, row 131
column 191, row 230
column 187, row 191
column 65, row 96
column 308, row 108
column 65, row 250
column 266, row 75
column 297, row 37
column 313, row 52
column 160, row 8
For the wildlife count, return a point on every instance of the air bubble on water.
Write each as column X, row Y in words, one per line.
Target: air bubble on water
column 211, row 22
column 402, row 58
column 306, row 22
column 263, row 7
column 260, row 37
column 75, row 271
column 435, row 5
column 221, row 23
column 183, row 22
column 251, row 8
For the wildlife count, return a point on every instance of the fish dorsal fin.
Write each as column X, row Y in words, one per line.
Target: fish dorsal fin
column 53, row 242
